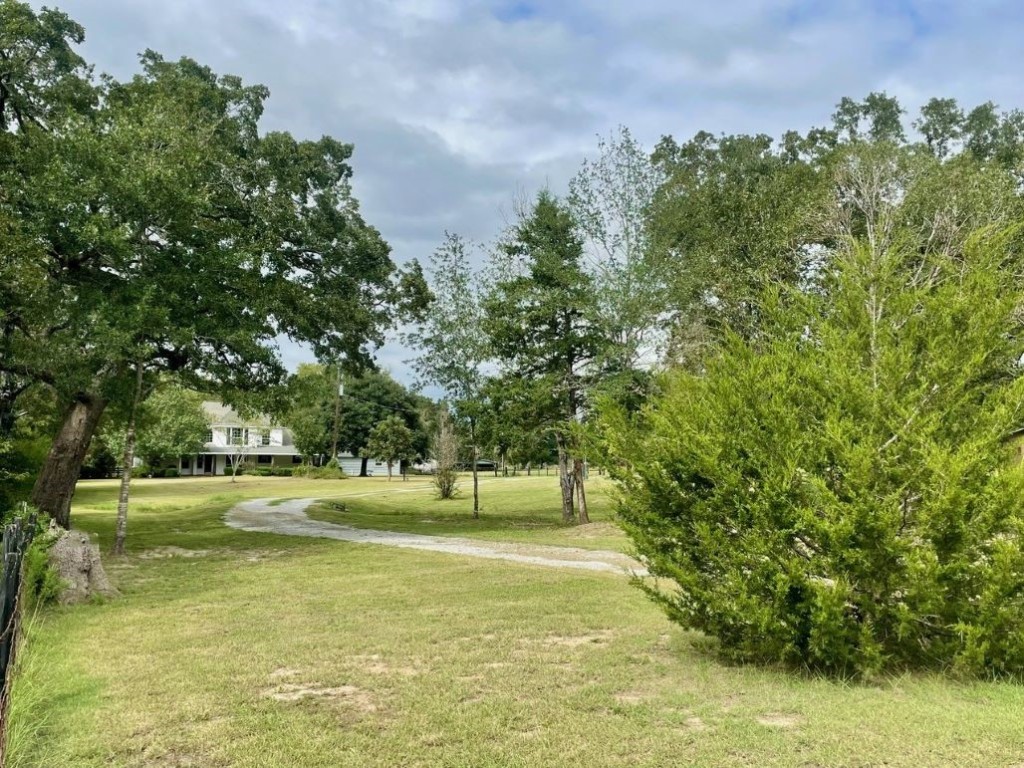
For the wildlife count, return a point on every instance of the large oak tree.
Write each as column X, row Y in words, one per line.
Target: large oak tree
column 164, row 229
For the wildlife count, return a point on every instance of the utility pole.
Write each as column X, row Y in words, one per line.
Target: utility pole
column 339, row 391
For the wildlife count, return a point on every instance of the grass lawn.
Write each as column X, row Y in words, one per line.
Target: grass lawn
column 519, row 509
column 261, row 650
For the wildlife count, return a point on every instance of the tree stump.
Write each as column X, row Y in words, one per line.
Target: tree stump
column 76, row 558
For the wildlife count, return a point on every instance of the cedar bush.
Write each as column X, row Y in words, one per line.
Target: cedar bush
column 842, row 491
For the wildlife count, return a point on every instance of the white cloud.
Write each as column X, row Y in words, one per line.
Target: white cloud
column 454, row 105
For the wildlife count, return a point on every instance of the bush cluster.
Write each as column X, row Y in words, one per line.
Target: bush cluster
column 329, row 471
column 157, row 472
column 841, row 492
column 271, row 471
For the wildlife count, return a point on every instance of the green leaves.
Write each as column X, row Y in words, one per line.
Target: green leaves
column 40, row 73
column 839, row 492
column 172, row 231
column 171, row 423
column 540, row 316
column 390, row 440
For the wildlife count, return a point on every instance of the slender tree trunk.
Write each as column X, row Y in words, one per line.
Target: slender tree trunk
column 476, row 480
column 55, row 484
column 121, row 529
column 337, row 417
column 581, row 494
column 363, row 468
column 565, row 481
column 389, row 471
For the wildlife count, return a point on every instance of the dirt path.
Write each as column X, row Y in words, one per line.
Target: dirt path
column 289, row 518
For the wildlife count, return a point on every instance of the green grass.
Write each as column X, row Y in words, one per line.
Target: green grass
column 521, row 509
column 280, row 651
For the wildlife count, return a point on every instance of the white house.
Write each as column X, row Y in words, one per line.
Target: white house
column 256, row 440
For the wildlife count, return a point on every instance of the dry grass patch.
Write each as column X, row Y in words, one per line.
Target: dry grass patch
column 346, row 694
column 779, row 720
column 601, row 637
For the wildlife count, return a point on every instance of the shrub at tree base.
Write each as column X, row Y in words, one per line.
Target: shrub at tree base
column 841, row 492
column 42, row 583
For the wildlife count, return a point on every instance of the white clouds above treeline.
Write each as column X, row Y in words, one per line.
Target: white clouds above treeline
column 456, row 105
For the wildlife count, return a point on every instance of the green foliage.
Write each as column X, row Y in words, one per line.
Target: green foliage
column 154, row 223
column 611, row 199
column 839, row 492
column 171, row 423
column 738, row 214
column 41, row 585
column 516, row 423
column 369, row 398
column 329, row 471
column 450, row 336
column 540, row 314
column 446, row 456
column 144, row 470
column 390, row 440
column 273, row 471
column 42, row 72
column 40, row 582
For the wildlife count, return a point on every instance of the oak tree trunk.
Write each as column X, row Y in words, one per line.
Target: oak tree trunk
column 55, row 484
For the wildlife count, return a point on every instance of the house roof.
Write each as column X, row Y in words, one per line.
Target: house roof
column 221, row 414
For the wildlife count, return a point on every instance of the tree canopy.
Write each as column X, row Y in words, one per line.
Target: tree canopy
column 154, row 223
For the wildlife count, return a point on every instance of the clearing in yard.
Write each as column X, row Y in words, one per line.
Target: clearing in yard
column 256, row 650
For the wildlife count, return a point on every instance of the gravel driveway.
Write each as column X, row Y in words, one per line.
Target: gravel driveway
column 290, row 519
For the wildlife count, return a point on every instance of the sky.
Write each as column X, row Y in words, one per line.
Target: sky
column 456, row 107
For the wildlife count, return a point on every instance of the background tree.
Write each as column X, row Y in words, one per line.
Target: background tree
column 446, row 456
column 372, row 398
column 539, row 317
column 308, row 413
column 453, row 346
column 611, row 198
column 240, row 446
column 369, row 398
column 171, row 424
column 390, row 440
column 736, row 214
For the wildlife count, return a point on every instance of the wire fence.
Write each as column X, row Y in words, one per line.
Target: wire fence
column 17, row 537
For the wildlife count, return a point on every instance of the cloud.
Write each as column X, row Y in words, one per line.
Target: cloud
column 454, row 106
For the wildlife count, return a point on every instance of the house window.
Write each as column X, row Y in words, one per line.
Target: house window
column 236, row 436
column 296, row 459
column 209, row 436
column 264, row 437
column 264, row 459
column 186, row 462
